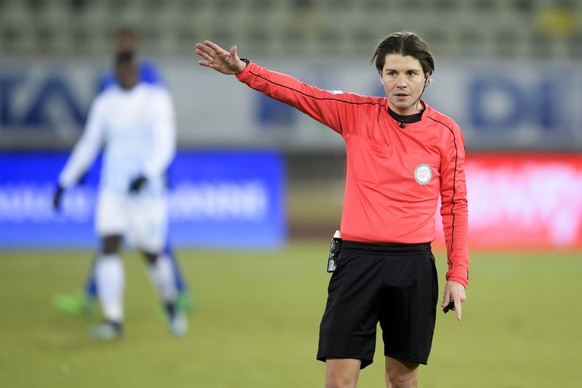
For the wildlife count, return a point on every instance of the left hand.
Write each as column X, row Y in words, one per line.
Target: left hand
column 137, row 184
column 456, row 293
column 58, row 197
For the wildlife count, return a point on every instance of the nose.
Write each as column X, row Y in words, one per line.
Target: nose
column 400, row 81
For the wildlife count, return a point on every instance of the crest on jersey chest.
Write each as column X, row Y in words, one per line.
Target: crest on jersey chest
column 423, row 173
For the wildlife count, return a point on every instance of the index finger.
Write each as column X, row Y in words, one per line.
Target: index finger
column 214, row 46
column 458, row 309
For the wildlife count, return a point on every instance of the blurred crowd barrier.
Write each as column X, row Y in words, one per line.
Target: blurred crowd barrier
column 506, row 105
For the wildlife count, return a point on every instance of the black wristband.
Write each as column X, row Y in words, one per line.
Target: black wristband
column 246, row 61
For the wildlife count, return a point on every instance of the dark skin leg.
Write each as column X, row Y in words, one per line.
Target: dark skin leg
column 111, row 245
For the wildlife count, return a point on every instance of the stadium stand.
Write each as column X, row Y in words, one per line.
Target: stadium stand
column 455, row 28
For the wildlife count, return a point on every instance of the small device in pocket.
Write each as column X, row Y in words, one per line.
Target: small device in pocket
column 334, row 251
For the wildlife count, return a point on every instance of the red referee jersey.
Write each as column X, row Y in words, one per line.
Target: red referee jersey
column 394, row 175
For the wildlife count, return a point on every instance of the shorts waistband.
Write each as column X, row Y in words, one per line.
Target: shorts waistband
column 392, row 248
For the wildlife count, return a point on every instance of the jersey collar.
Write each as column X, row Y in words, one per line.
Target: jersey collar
column 407, row 119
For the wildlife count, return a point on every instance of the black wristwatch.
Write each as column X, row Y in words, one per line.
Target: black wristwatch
column 246, row 61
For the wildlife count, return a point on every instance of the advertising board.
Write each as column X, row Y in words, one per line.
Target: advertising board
column 218, row 199
column 524, row 200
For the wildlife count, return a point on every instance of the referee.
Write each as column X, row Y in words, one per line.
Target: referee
column 401, row 156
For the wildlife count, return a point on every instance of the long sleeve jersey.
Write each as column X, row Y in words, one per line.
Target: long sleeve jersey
column 136, row 128
column 395, row 173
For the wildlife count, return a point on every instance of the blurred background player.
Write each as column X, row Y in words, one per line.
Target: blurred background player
column 84, row 302
column 126, row 41
column 134, row 122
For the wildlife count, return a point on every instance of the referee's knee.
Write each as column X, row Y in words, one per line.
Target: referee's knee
column 401, row 374
column 341, row 373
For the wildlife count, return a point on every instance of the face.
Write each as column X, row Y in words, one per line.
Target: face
column 125, row 42
column 127, row 75
column 403, row 81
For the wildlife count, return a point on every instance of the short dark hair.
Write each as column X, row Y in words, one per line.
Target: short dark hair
column 126, row 31
column 406, row 44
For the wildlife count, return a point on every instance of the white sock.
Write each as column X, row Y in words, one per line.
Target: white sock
column 110, row 278
column 162, row 276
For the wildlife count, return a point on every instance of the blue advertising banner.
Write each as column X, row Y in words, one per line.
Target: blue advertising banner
column 218, row 200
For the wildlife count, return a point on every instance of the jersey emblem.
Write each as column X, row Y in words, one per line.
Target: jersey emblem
column 423, row 173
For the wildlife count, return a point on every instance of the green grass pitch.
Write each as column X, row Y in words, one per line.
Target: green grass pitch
column 256, row 324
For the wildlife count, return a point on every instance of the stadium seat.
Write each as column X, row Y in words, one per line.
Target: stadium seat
column 455, row 28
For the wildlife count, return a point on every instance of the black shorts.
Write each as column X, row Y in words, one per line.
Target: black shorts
column 394, row 284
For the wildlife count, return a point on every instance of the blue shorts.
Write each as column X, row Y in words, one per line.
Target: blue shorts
column 394, row 284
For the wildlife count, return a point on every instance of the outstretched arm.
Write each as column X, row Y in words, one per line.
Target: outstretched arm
column 335, row 109
column 217, row 58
